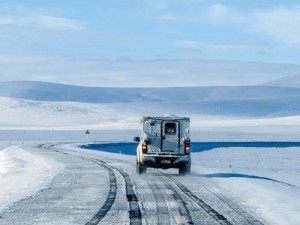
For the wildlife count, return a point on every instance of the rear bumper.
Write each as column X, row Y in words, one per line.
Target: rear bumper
column 166, row 161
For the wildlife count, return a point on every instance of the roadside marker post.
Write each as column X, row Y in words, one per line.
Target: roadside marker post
column 87, row 135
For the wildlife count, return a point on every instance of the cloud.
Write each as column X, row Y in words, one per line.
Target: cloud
column 168, row 17
column 190, row 47
column 215, row 14
column 42, row 22
column 57, row 23
column 281, row 23
column 220, row 13
column 194, row 46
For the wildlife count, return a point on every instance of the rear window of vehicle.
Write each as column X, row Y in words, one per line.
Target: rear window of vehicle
column 170, row 128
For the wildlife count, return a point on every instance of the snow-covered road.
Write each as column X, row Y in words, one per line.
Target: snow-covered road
column 91, row 187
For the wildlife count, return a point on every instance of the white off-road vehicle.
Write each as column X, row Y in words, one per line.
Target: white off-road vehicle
column 164, row 143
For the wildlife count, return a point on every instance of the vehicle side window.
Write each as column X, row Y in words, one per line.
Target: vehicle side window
column 170, row 128
column 152, row 128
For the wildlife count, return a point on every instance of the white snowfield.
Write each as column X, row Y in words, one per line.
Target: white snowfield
column 264, row 181
column 24, row 173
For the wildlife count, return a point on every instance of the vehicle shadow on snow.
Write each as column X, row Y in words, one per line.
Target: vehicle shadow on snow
column 239, row 175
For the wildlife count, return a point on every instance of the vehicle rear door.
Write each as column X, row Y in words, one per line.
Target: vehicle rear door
column 170, row 136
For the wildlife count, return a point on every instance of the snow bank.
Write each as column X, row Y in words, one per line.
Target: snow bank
column 264, row 179
column 22, row 174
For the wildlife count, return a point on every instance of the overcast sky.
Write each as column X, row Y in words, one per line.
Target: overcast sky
column 49, row 40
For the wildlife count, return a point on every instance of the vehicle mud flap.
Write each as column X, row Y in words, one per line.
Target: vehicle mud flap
column 140, row 169
column 185, row 169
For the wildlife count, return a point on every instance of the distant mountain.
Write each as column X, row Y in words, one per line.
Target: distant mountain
column 289, row 81
column 38, row 105
column 41, row 91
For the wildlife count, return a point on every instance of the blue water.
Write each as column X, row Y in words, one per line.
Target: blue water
column 130, row 148
column 124, row 148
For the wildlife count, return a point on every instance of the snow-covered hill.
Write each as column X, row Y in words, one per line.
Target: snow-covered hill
column 239, row 101
column 48, row 105
column 41, row 91
column 289, row 81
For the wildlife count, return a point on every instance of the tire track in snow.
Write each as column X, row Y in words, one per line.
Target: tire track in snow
column 245, row 217
column 163, row 214
column 135, row 214
column 101, row 213
column 242, row 216
column 207, row 208
column 110, row 198
column 185, row 216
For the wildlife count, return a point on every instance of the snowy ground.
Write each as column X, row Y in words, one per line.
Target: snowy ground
column 266, row 179
column 263, row 180
column 23, row 173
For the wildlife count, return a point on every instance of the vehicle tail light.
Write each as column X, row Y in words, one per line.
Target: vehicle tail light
column 144, row 148
column 187, row 147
